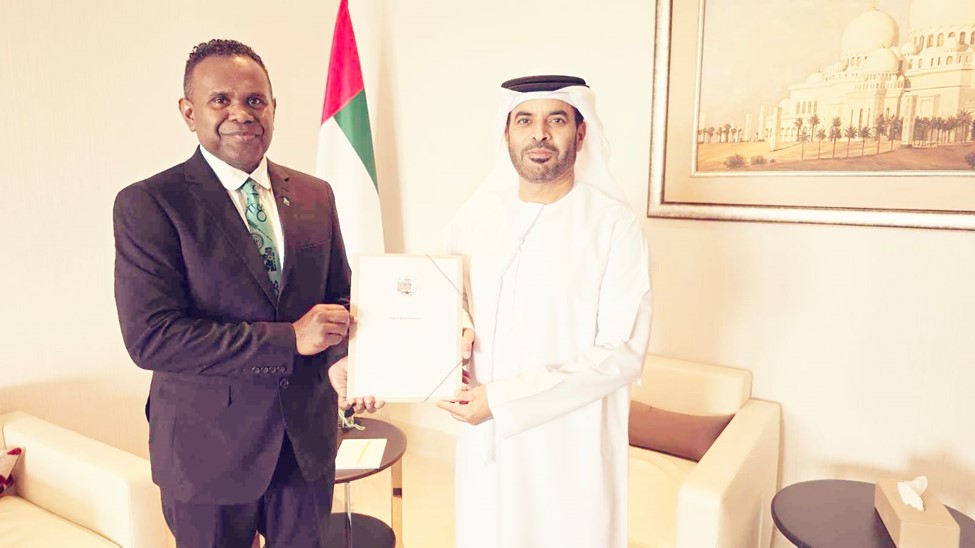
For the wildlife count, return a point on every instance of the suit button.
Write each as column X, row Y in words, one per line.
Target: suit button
column 256, row 370
column 265, row 369
column 283, row 383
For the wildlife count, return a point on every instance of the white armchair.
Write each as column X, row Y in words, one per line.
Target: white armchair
column 74, row 491
column 723, row 500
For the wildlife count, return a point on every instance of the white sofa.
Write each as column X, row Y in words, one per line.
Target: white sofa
column 724, row 500
column 73, row 491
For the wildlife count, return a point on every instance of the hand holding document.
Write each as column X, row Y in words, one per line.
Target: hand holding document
column 338, row 375
column 405, row 345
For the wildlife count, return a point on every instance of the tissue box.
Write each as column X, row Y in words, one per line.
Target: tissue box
column 912, row 528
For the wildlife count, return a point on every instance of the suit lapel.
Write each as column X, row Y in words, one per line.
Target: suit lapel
column 205, row 186
column 281, row 185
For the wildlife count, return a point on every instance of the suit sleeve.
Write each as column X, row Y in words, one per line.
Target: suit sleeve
column 159, row 328
column 339, row 285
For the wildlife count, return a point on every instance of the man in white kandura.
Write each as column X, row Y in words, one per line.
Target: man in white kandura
column 558, row 288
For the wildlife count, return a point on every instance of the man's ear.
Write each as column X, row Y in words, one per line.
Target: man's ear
column 580, row 133
column 186, row 109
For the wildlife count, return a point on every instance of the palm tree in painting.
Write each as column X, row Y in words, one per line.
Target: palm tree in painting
column 835, row 133
column 964, row 122
column 896, row 130
column 921, row 126
column 726, row 131
column 813, row 122
column 944, row 129
column 951, row 128
column 802, row 138
column 880, row 129
column 864, row 134
column 820, row 136
column 799, row 132
column 710, row 133
column 850, row 132
column 941, row 127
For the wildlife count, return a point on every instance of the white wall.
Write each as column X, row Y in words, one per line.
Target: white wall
column 862, row 334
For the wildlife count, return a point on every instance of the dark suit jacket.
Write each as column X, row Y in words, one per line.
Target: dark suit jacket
column 196, row 307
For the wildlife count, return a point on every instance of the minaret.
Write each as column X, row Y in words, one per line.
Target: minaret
column 776, row 128
column 762, row 121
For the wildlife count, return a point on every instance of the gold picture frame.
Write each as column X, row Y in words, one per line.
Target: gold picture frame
column 919, row 198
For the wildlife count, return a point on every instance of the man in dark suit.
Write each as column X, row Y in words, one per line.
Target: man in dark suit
column 241, row 339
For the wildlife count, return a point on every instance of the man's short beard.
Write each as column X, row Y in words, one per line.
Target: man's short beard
column 542, row 173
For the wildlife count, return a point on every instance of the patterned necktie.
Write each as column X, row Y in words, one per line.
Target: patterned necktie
column 260, row 228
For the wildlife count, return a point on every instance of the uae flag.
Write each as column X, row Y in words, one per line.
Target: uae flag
column 345, row 154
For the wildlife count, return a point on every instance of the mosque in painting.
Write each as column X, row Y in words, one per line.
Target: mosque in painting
column 930, row 74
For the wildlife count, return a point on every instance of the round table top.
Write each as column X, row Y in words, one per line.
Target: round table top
column 840, row 514
column 375, row 429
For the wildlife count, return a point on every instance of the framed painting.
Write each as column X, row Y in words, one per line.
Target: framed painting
column 859, row 112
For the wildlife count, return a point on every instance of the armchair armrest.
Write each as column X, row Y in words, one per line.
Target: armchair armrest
column 95, row 485
column 725, row 501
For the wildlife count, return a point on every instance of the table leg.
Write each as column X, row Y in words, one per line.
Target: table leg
column 396, row 501
column 348, row 514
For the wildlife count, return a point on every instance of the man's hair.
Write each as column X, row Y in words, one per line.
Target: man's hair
column 218, row 47
column 579, row 118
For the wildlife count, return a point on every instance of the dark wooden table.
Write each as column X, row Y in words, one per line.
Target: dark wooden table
column 359, row 530
column 840, row 514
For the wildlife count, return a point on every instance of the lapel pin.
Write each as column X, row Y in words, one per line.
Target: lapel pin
column 285, row 200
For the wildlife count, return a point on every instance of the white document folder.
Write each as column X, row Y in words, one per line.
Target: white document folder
column 405, row 344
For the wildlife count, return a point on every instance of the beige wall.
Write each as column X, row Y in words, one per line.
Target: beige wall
column 864, row 335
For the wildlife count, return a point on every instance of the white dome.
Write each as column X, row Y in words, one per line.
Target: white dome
column 881, row 60
column 910, row 48
column 926, row 14
column 869, row 31
column 815, row 78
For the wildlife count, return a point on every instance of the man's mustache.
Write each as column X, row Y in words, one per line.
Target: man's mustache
column 537, row 146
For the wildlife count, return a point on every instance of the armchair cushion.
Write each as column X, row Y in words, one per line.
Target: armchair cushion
column 655, row 483
column 24, row 524
column 677, row 434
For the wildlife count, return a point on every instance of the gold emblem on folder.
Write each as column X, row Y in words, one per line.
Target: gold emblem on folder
column 406, row 286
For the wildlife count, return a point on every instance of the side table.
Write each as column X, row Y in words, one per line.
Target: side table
column 840, row 514
column 359, row 530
